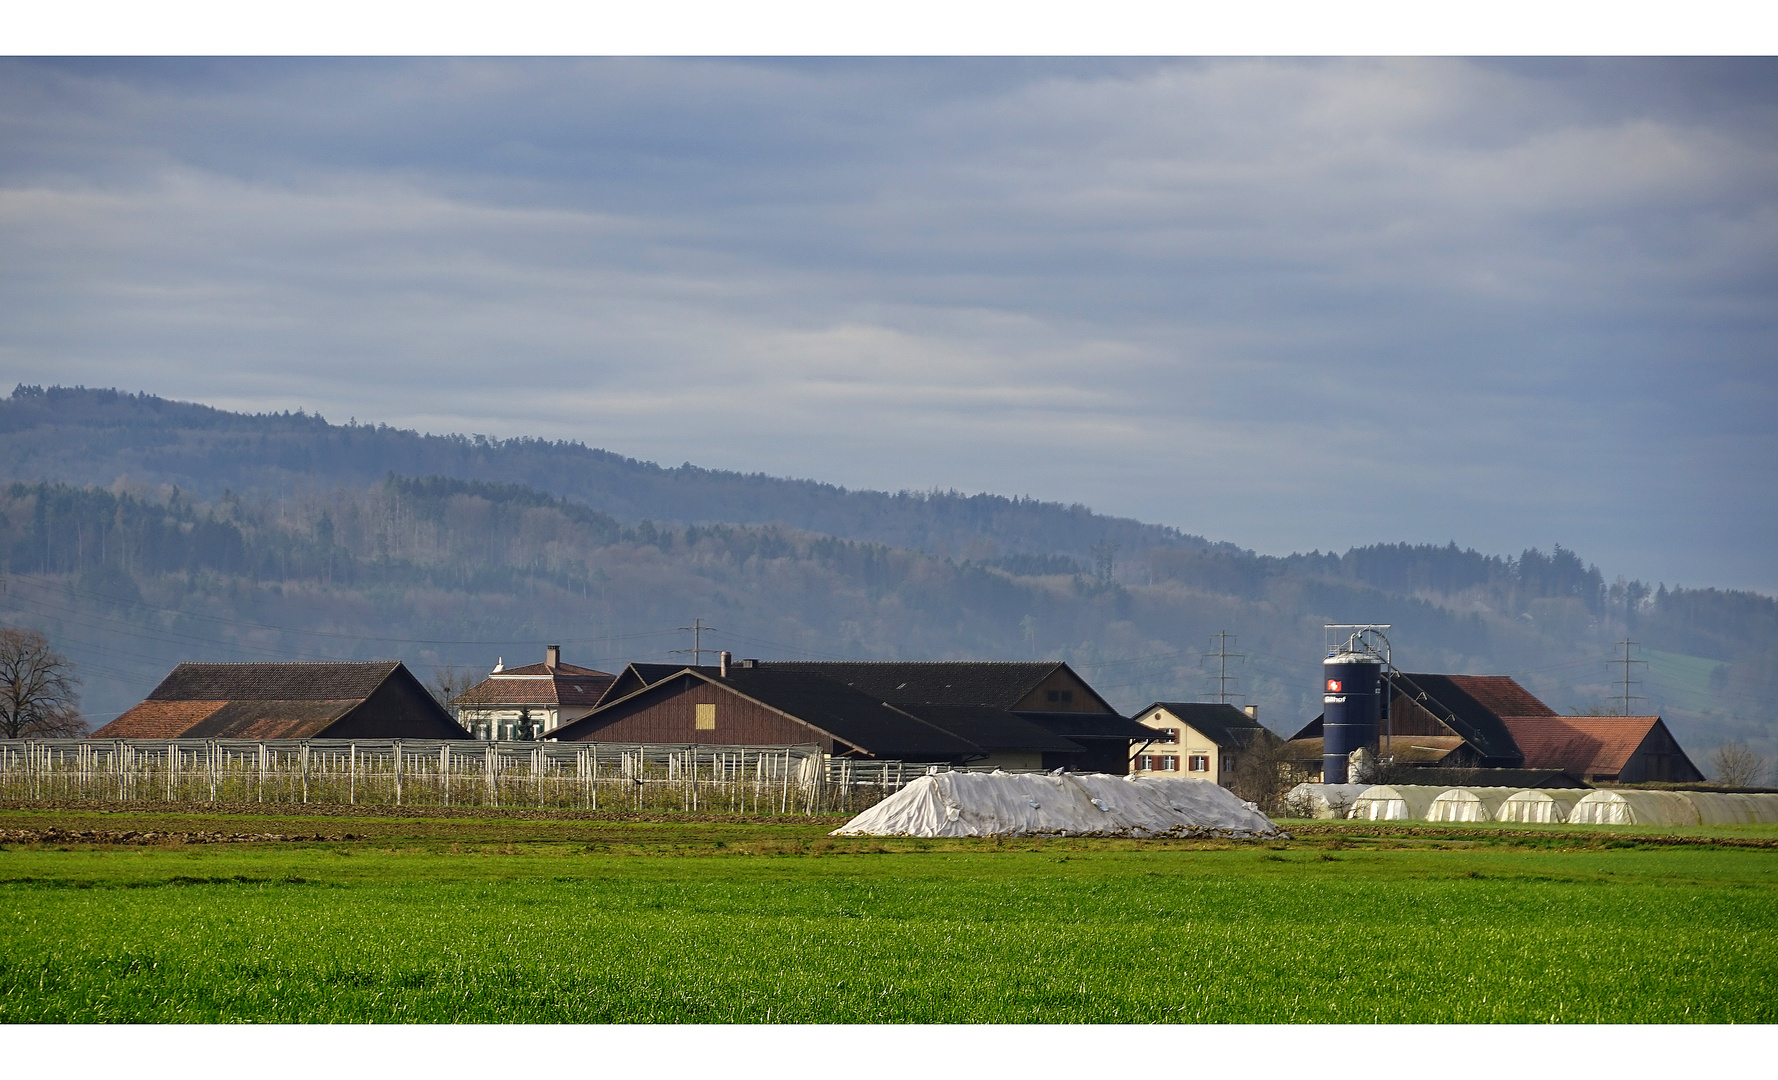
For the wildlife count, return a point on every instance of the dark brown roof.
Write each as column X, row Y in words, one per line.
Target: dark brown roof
column 324, row 681
column 581, row 686
column 270, row 719
column 1582, row 746
column 1450, row 703
column 999, row 683
column 994, row 729
column 545, row 669
column 1406, row 749
column 1501, row 695
column 1220, row 722
column 285, row 701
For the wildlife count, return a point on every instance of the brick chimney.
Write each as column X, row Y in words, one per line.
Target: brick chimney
column 552, row 656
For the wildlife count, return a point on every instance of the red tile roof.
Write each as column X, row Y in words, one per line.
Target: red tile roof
column 1581, row 746
column 572, row 686
column 284, row 701
column 158, row 720
column 1501, row 695
column 545, row 669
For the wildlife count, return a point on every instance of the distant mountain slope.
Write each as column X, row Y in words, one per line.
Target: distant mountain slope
column 292, row 537
column 92, row 437
column 440, row 571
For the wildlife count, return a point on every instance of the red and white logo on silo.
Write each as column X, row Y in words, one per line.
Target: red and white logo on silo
column 1333, row 686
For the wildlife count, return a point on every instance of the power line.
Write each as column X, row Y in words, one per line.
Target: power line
column 1223, row 656
column 697, row 649
column 1626, row 661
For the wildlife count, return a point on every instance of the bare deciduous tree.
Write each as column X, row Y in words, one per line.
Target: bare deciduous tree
column 38, row 699
column 1734, row 765
column 450, row 682
column 1264, row 772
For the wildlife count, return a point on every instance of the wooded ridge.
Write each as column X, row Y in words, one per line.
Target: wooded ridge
column 139, row 532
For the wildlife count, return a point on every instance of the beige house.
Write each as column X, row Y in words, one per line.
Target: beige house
column 1195, row 739
column 532, row 701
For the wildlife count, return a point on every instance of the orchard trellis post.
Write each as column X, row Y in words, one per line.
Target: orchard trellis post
column 410, row 772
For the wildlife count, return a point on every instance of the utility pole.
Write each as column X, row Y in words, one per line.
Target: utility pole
column 1223, row 656
column 697, row 649
column 1626, row 661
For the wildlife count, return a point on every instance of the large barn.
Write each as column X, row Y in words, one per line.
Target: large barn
column 329, row 700
column 1491, row 722
column 1014, row 715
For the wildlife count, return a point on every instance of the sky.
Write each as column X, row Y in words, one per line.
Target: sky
column 1293, row 304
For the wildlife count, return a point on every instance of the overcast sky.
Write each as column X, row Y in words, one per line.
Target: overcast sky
column 1290, row 304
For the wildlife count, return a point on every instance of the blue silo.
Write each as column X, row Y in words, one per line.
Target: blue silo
column 1350, row 706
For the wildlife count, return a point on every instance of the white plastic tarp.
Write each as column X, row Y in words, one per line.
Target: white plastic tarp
column 1395, row 802
column 1323, row 800
column 1633, row 807
column 1533, row 805
column 1064, row 804
column 1468, row 804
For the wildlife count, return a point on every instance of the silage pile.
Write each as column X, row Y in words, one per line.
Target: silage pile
column 1061, row 804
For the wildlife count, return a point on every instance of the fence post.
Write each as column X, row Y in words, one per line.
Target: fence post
column 352, row 774
column 444, row 770
column 395, row 747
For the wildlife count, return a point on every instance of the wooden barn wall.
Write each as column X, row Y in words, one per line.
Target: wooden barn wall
column 1659, row 758
column 398, row 709
column 669, row 715
column 1409, row 717
column 1060, row 679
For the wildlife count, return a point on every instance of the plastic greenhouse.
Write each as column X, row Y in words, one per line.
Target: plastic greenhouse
column 1634, row 807
column 1539, row 805
column 1468, row 804
column 1399, row 802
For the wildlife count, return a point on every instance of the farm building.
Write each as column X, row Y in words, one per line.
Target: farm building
column 1196, row 739
column 1048, row 694
column 328, row 700
column 1603, row 749
column 1491, row 722
column 962, row 713
column 532, row 701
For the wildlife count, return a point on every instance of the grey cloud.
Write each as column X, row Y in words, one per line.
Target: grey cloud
column 1532, row 299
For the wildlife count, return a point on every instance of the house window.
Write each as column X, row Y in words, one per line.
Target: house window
column 1166, row 735
column 706, row 718
column 1198, row 763
column 1157, row 763
column 1228, row 761
column 1169, row 763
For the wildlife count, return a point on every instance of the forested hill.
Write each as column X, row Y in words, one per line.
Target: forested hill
column 138, row 532
column 93, row 437
column 438, row 571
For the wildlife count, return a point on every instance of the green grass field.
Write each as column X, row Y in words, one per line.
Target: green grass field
column 440, row 920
